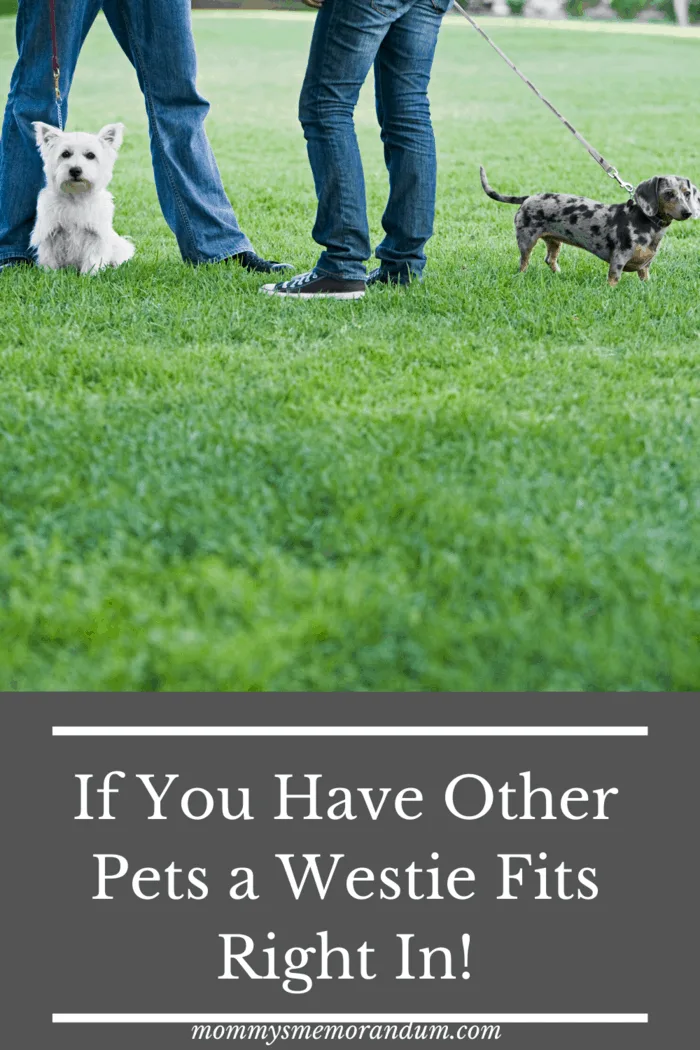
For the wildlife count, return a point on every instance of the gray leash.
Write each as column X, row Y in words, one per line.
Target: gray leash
column 609, row 169
column 55, row 68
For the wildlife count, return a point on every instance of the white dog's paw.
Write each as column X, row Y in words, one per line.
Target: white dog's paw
column 92, row 266
column 122, row 250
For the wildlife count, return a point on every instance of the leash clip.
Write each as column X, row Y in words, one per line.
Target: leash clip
column 615, row 174
column 57, row 93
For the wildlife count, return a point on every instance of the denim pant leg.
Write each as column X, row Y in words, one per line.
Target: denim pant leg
column 32, row 98
column 156, row 36
column 402, row 73
column 346, row 37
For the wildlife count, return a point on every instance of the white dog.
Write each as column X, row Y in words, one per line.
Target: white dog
column 74, row 212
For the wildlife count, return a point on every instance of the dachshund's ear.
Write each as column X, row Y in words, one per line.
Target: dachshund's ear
column 647, row 196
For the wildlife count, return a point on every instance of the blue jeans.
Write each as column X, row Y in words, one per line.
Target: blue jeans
column 399, row 37
column 156, row 36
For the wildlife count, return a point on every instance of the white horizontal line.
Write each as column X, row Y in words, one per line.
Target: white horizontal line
column 287, row 731
column 500, row 22
column 350, row 1018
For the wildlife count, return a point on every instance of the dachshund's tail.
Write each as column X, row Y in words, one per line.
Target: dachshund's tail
column 498, row 196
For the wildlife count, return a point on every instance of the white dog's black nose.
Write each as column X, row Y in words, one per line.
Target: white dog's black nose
column 75, row 173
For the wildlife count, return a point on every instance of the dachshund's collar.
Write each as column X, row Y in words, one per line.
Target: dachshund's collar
column 659, row 224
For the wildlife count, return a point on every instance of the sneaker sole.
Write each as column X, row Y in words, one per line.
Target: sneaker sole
column 269, row 289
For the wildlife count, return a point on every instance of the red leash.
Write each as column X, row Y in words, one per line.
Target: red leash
column 54, row 62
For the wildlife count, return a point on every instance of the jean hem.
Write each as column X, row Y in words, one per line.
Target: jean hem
column 398, row 268
column 5, row 256
column 203, row 260
column 340, row 275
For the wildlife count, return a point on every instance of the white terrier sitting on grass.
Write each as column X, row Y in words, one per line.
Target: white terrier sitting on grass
column 74, row 212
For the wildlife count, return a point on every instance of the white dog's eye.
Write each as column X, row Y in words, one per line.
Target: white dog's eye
column 89, row 156
column 66, row 154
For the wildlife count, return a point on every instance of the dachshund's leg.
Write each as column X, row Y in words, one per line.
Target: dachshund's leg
column 553, row 249
column 643, row 274
column 526, row 242
column 618, row 261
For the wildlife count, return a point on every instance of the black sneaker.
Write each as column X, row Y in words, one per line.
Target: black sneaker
column 313, row 285
column 382, row 276
column 253, row 262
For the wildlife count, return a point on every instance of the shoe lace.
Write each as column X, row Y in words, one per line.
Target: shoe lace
column 301, row 279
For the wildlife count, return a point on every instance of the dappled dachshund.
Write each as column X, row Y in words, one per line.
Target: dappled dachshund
column 626, row 236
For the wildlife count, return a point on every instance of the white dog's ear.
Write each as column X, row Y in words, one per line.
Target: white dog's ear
column 45, row 133
column 695, row 201
column 112, row 135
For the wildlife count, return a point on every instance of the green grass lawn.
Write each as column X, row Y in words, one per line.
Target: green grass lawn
column 490, row 481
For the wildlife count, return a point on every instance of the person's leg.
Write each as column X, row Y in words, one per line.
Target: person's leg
column 346, row 38
column 156, row 36
column 32, row 98
column 402, row 73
